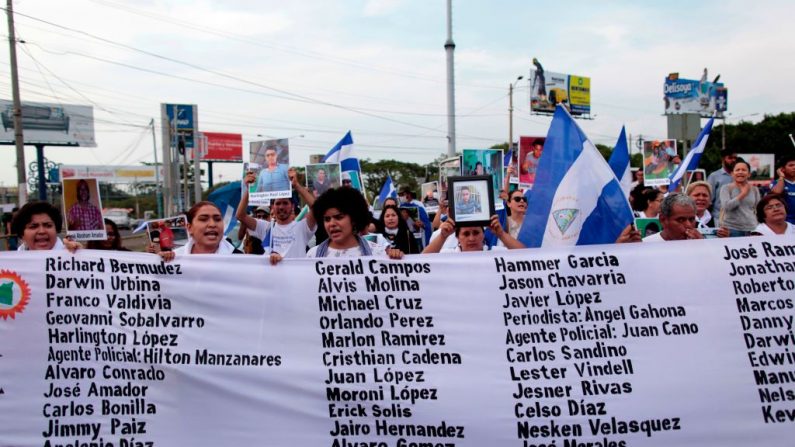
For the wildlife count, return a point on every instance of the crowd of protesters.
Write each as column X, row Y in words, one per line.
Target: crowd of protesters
column 340, row 221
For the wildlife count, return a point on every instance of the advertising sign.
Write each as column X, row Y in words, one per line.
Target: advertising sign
column 689, row 96
column 111, row 174
column 672, row 344
column 50, row 124
column 223, row 146
column 548, row 89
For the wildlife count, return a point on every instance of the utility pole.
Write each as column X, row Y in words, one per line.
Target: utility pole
column 449, row 48
column 19, row 139
column 510, row 112
column 158, row 187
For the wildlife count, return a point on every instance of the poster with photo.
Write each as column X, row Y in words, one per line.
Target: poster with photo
column 169, row 233
column 647, row 226
column 530, row 150
column 696, row 175
column 450, row 167
column 471, row 200
column 320, row 177
column 273, row 182
column 411, row 215
column 660, row 159
column 430, row 196
column 485, row 162
column 513, row 164
column 763, row 168
column 82, row 208
column 353, row 179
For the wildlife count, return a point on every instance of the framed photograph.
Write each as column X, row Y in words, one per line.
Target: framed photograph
column 485, row 162
column 273, row 160
column 411, row 215
column 647, row 227
column 660, row 158
column 696, row 175
column 530, row 150
column 450, row 167
column 169, row 233
column 321, row 177
column 430, row 196
column 471, row 200
column 82, row 208
column 763, row 168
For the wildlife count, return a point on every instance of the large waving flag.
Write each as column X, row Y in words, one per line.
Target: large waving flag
column 693, row 157
column 576, row 198
column 342, row 153
column 226, row 199
column 619, row 162
column 388, row 190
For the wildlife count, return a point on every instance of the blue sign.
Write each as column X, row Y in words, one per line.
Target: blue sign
column 184, row 114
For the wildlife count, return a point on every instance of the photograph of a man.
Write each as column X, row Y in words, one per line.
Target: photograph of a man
column 273, row 160
column 83, row 213
column 321, row 177
column 466, row 202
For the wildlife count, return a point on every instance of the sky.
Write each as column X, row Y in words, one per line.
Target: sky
column 311, row 70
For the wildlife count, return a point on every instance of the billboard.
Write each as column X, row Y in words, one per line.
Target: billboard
column 547, row 89
column 50, row 124
column 689, row 96
column 111, row 174
column 223, row 146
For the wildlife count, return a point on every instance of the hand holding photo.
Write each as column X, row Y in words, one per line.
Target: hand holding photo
column 82, row 206
column 471, row 200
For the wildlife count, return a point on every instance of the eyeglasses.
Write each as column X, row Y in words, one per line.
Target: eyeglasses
column 774, row 206
column 520, row 199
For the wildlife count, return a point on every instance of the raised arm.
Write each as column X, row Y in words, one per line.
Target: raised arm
column 246, row 220
column 305, row 194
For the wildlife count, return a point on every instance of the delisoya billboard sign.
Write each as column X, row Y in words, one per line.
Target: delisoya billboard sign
column 690, row 96
column 548, row 89
column 50, row 124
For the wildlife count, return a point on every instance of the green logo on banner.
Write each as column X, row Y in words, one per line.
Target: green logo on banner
column 7, row 293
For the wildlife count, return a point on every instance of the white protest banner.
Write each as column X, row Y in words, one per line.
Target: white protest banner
column 669, row 344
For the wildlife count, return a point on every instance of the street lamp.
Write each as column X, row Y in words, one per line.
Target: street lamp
column 510, row 111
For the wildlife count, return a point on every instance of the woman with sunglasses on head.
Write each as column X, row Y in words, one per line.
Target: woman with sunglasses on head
column 344, row 214
column 471, row 238
column 771, row 212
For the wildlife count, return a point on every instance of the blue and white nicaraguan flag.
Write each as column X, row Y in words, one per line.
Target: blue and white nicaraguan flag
column 576, row 198
column 619, row 162
column 388, row 190
column 690, row 162
column 342, row 153
column 226, row 199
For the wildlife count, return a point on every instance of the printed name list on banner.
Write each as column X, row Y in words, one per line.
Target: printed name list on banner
column 686, row 344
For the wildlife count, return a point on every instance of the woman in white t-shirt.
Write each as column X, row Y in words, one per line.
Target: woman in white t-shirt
column 343, row 212
column 771, row 212
column 471, row 238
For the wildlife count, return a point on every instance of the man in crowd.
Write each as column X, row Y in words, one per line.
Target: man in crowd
column 722, row 176
column 286, row 238
column 785, row 184
column 678, row 220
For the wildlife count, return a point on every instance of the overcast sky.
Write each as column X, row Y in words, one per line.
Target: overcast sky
column 320, row 68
